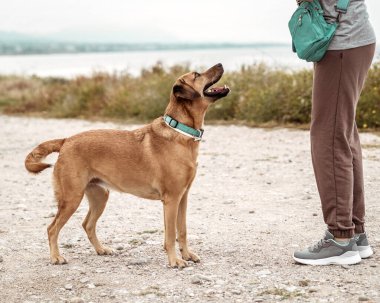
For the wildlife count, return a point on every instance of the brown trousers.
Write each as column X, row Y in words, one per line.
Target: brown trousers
column 335, row 147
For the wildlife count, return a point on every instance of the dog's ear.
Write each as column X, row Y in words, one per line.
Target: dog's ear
column 183, row 91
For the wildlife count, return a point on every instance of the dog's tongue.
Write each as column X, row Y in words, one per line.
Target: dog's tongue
column 216, row 89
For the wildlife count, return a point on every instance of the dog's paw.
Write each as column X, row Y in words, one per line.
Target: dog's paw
column 104, row 250
column 58, row 260
column 178, row 263
column 190, row 256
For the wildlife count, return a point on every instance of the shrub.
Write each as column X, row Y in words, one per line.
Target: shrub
column 260, row 94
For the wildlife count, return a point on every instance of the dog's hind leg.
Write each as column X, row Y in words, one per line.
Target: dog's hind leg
column 69, row 195
column 182, row 231
column 97, row 199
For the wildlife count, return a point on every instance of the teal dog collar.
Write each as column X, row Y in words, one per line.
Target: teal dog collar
column 196, row 134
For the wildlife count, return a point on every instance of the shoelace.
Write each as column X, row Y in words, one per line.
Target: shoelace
column 317, row 245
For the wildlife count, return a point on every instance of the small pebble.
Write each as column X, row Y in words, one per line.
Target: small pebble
column 303, row 283
column 196, row 280
column 291, row 288
column 138, row 262
column 199, row 279
column 68, row 286
column 236, row 291
column 190, row 268
column 91, row 285
column 151, row 296
column 264, row 272
column 363, row 299
column 209, row 292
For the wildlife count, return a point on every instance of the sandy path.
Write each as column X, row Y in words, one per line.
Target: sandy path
column 253, row 202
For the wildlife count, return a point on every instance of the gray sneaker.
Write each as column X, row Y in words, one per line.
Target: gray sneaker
column 327, row 251
column 364, row 248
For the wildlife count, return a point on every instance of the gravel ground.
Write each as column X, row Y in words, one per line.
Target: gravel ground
column 253, row 202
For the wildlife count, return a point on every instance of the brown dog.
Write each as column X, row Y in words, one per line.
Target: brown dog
column 155, row 162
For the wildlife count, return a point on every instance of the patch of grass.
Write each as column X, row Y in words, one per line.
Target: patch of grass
column 371, row 146
column 260, row 95
column 6, row 102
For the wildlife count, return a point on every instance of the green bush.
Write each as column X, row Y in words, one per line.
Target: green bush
column 260, row 94
column 368, row 111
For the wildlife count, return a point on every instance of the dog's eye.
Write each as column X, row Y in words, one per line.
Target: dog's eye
column 196, row 75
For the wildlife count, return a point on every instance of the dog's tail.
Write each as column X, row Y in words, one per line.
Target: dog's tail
column 33, row 161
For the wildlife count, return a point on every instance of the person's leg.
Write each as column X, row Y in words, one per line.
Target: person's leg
column 336, row 156
column 338, row 81
column 331, row 154
column 358, row 210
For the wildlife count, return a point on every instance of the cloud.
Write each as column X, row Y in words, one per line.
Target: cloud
column 185, row 21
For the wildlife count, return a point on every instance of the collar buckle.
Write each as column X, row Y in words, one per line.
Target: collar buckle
column 175, row 124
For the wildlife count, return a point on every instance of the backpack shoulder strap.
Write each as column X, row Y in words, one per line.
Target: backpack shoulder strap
column 342, row 6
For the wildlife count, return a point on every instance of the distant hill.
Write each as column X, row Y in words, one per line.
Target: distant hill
column 12, row 43
column 92, row 35
column 11, row 37
column 115, row 36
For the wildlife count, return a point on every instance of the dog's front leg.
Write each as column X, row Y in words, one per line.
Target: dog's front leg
column 187, row 254
column 170, row 218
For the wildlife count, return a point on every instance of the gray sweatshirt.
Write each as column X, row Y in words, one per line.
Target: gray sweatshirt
column 354, row 29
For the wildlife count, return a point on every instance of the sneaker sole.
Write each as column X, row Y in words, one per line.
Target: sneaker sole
column 348, row 258
column 365, row 251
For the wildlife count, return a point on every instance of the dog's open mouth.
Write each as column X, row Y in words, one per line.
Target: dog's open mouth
column 216, row 91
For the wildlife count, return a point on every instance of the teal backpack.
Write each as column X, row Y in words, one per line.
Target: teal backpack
column 311, row 34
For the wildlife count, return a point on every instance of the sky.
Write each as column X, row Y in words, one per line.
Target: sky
column 213, row 21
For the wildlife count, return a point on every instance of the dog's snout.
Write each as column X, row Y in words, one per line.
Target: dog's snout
column 216, row 69
column 219, row 66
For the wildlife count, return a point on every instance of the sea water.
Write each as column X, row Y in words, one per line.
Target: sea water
column 71, row 65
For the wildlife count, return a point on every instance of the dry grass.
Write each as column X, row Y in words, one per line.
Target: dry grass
column 260, row 96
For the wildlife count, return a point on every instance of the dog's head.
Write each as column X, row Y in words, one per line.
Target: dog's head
column 198, row 87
